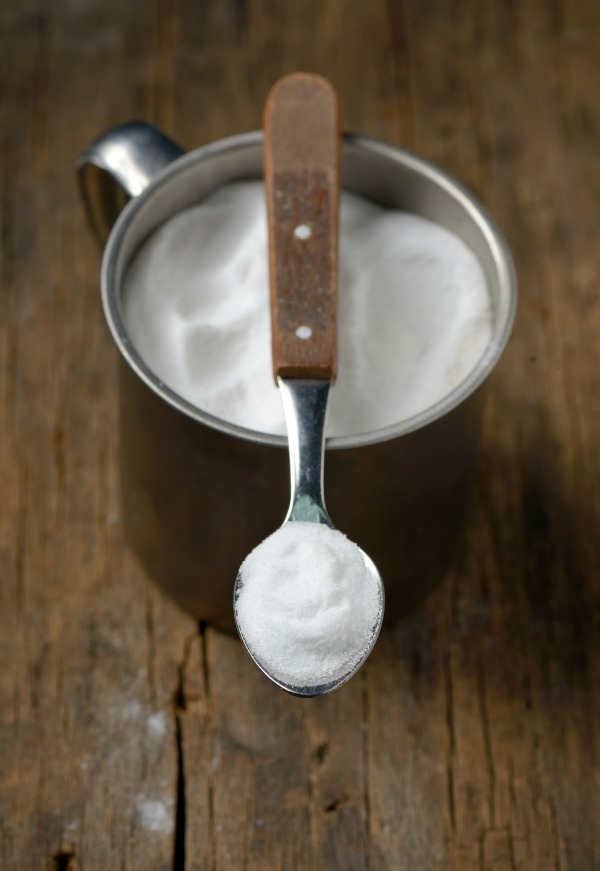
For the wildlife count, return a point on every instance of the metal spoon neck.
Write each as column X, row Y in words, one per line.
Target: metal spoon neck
column 305, row 404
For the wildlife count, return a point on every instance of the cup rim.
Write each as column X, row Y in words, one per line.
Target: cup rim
column 476, row 211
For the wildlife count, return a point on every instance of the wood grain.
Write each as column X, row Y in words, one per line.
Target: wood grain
column 130, row 738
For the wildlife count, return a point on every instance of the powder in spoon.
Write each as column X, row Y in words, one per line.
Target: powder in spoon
column 307, row 605
column 414, row 312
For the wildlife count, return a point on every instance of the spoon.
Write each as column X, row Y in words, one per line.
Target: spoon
column 301, row 157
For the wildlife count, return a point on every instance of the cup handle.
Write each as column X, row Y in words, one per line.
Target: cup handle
column 118, row 166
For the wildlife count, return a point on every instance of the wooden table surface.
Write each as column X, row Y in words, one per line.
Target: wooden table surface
column 130, row 738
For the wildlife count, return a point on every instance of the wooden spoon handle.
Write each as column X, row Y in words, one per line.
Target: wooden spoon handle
column 301, row 169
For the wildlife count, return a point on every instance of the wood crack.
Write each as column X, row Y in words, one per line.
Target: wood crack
column 555, row 834
column 180, row 807
column 65, row 860
column 202, row 629
column 184, row 701
column 150, row 653
column 318, row 757
column 365, row 750
column 487, row 745
column 447, row 670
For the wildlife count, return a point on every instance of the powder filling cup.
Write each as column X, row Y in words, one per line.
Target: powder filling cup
column 198, row 493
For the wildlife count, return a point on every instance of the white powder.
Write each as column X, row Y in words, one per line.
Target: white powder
column 155, row 816
column 414, row 313
column 308, row 604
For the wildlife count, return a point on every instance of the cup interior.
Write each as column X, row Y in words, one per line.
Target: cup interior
column 389, row 176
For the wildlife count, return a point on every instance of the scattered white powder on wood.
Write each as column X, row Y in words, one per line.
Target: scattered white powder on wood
column 155, row 816
column 308, row 604
column 414, row 312
column 157, row 725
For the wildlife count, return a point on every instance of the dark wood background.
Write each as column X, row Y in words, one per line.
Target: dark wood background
column 129, row 738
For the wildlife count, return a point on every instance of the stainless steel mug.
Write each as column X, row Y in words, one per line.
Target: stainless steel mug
column 199, row 493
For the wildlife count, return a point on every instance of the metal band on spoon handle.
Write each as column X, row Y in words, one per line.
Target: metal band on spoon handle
column 305, row 409
column 302, row 169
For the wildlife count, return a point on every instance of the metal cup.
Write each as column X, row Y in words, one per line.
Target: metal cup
column 198, row 493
